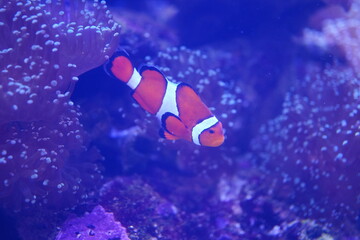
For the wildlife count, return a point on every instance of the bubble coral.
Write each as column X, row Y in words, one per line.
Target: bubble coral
column 311, row 147
column 45, row 46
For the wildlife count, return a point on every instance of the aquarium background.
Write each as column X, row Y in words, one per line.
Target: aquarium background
column 79, row 159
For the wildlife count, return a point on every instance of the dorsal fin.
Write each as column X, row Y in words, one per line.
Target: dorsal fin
column 144, row 68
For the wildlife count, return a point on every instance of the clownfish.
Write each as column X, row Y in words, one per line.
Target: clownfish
column 182, row 113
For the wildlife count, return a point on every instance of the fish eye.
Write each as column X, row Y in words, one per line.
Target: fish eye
column 211, row 131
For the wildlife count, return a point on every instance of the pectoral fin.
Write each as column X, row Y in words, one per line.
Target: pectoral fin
column 173, row 125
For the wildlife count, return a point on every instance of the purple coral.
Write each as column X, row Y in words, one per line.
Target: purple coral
column 141, row 209
column 194, row 207
column 311, row 148
column 42, row 53
column 44, row 47
column 98, row 224
column 40, row 162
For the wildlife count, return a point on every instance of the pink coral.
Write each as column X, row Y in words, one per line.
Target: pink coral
column 339, row 29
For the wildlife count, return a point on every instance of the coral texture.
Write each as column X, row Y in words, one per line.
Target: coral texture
column 143, row 211
column 310, row 148
column 296, row 177
column 339, row 29
column 44, row 47
column 98, row 224
column 42, row 53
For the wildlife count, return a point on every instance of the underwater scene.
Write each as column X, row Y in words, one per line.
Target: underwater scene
column 180, row 120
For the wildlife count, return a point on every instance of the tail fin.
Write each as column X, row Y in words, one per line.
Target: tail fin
column 119, row 66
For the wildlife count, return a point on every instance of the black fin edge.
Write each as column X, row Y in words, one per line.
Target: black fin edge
column 152, row 68
column 108, row 64
column 163, row 120
column 162, row 133
column 182, row 84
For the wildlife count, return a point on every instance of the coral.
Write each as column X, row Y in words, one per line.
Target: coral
column 42, row 162
column 311, row 147
column 237, row 206
column 143, row 211
column 44, row 47
column 144, row 34
column 167, row 190
column 42, row 53
column 98, row 224
column 339, row 33
column 244, row 208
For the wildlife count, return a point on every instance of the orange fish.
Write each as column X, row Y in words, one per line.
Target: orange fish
column 182, row 113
